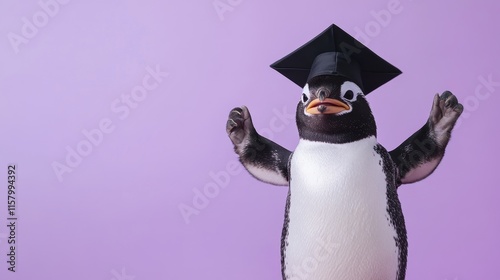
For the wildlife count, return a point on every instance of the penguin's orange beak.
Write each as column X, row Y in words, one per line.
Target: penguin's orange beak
column 327, row 106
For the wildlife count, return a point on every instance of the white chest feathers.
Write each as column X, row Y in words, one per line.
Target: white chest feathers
column 339, row 227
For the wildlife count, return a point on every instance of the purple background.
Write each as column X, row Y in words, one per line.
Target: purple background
column 117, row 213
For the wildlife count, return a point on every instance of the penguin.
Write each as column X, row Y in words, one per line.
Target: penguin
column 343, row 218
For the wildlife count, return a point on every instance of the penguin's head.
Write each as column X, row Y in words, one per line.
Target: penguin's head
column 333, row 109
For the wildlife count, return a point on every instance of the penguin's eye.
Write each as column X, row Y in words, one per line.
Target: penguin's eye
column 305, row 94
column 350, row 91
column 304, row 98
column 349, row 95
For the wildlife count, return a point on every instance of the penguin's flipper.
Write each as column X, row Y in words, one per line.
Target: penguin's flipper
column 264, row 159
column 418, row 156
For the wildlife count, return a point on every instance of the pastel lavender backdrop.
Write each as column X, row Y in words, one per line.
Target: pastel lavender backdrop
column 152, row 83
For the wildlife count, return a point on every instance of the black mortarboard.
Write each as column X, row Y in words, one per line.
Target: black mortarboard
column 334, row 52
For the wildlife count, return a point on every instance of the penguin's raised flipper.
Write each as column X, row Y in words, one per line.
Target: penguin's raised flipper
column 264, row 159
column 418, row 156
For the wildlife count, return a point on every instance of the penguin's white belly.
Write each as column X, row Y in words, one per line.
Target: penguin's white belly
column 339, row 227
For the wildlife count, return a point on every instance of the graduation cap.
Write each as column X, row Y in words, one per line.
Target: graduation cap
column 334, row 52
